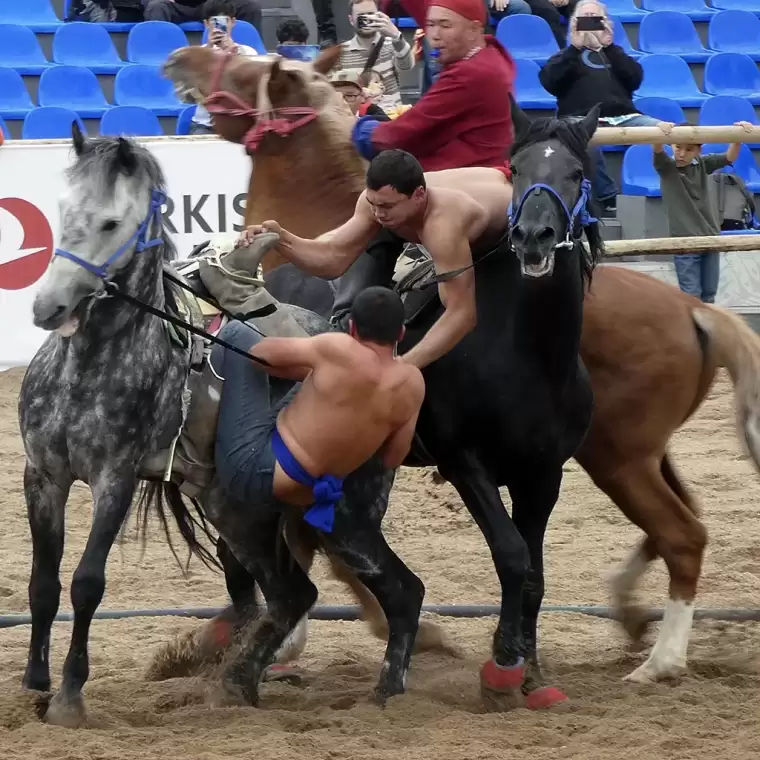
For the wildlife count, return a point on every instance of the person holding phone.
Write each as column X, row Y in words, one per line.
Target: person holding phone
column 377, row 35
column 591, row 70
column 219, row 20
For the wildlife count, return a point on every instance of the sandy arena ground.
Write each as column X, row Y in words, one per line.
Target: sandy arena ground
column 714, row 710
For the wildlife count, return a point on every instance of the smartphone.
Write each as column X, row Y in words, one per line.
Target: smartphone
column 220, row 23
column 590, row 24
column 363, row 20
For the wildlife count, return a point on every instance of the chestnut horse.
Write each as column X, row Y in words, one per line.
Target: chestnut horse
column 651, row 351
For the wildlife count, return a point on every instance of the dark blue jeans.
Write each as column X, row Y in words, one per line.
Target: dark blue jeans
column 698, row 274
column 244, row 458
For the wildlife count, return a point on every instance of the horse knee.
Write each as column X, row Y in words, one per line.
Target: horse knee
column 682, row 552
column 87, row 589
column 511, row 558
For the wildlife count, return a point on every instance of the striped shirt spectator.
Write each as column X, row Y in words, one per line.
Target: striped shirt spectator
column 395, row 53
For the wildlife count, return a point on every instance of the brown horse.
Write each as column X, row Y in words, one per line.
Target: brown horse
column 651, row 351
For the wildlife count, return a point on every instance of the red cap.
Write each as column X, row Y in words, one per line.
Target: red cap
column 473, row 10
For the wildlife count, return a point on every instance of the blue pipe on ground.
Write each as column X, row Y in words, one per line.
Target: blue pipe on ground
column 352, row 612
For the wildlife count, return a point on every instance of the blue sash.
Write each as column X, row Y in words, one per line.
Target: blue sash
column 327, row 489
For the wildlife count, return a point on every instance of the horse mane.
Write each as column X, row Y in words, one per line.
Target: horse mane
column 573, row 136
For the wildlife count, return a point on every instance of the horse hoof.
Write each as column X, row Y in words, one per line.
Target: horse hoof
column 651, row 672
column 68, row 713
column 635, row 622
column 500, row 687
column 546, row 698
column 285, row 673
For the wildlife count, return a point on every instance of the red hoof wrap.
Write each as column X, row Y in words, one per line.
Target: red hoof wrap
column 544, row 698
column 220, row 633
column 501, row 678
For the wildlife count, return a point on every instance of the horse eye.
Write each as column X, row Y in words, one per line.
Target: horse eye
column 110, row 225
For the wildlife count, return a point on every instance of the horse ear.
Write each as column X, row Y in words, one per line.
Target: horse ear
column 520, row 119
column 591, row 120
column 325, row 62
column 80, row 141
column 126, row 155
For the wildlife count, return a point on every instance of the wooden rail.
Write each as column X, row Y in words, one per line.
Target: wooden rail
column 645, row 246
column 654, row 135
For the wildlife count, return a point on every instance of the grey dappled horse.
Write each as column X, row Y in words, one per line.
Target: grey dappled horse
column 104, row 392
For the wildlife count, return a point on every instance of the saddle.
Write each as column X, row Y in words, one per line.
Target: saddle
column 230, row 279
column 416, row 285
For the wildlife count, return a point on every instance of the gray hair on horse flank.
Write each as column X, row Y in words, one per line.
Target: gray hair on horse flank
column 111, row 186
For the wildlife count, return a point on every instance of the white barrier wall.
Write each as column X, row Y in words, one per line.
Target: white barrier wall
column 207, row 181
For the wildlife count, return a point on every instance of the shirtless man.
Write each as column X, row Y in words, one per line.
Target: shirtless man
column 356, row 399
column 447, row 212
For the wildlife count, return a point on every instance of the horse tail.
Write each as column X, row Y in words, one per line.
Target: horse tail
column 734, row 345
column 157, row 497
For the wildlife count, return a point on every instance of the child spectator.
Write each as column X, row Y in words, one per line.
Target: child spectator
column 351, row 84
column 293, row 31
column 690, row 210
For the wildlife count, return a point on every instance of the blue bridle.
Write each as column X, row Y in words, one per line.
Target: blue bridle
column 157, row 200
column 579, row 213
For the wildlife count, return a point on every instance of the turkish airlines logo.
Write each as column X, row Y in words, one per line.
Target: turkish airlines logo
column 26, row 244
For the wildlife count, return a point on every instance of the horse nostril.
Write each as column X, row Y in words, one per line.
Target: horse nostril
column 543, row 234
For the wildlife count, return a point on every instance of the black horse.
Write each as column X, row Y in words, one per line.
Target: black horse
column 512, row 402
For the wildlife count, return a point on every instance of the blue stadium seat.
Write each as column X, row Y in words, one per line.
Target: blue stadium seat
column 745, row 5
column 15, row 102
column 696, row 10
column 674, row 33
column 151, row 42
column 625, row 10
column 638, row 175
column 529, row 91
column 744, row 166
column 130, row 120
column 38, row 15
column 244, row 33
column 184, row 119
column 621, row 38
column 733, row 74
column 50, row 123
column 139, row 85
column 720, row 110
column 735, row 32
column 527, row 37
column 20, row 50
column 73, row 87
column 4, row 129
column 663, row 109
column 78, row 43
column 669, row 76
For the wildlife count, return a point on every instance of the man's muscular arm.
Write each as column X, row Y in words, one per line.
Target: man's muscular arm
column 330, row 255
column 397, row 445
column 451, row 251
column 294, row 358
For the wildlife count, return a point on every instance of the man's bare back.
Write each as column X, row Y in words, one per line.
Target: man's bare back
column 354, row 402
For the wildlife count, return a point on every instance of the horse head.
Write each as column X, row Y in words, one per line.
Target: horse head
column 551, row 191
column 249, row 97
column 110, row 210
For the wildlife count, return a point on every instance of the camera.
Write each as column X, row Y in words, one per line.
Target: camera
column 590, row 24
column 363, row 20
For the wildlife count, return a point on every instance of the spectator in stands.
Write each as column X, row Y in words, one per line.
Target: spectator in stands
column 554, row 12
column 98, row 11
column 351, row 85
column 591, row 70
column 201, row 123
column 293, row 31
column 690, row 209
column 179, row 11
column 500, row 9
column 374, row 28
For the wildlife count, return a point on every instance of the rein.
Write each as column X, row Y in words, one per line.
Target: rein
column 141, row 244
column 578, row 218
column 282, row 121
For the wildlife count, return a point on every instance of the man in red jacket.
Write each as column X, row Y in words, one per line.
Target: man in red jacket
column 463, row 120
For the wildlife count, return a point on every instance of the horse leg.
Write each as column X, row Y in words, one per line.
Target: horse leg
column 289, row 595
column 502, row 676
column 644, row 493
column 46, row 505
column 112, row 497
column 365, row 552
column 533, row 499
